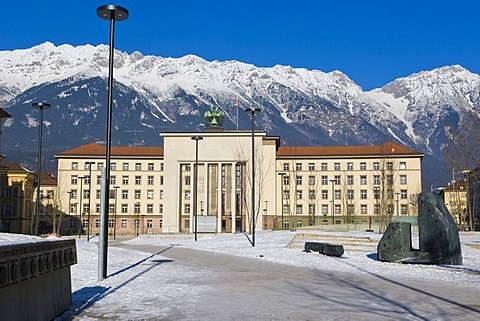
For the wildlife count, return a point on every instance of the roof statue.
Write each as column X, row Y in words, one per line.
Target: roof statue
column 214, row 118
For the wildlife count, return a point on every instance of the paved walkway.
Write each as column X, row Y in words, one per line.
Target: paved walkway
column 252, row 289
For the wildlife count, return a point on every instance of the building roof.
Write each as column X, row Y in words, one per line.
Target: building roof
column 12, row 167
column 386, row 149
column 95, row 149
column 48, row 179
column 456, row 185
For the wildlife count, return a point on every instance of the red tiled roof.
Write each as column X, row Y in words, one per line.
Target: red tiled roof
column 15, row 168
column 95, row 149
column 387, row 148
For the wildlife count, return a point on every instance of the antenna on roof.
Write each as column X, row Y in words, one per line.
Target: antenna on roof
column 134, row 131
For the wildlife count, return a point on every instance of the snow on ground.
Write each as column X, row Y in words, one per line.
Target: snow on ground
column 131, row 290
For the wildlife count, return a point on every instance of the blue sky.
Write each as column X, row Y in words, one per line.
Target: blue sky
column 373, row 42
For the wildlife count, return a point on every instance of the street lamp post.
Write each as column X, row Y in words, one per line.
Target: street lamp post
column 333, row 202
column 397, row 200
column 89, row 197
column 252, row 111
column 40, row 106
column 115, row 214
column 112, row 13
column 195, row 183
column 282, row 175
column 81, row 178
column 69, row 208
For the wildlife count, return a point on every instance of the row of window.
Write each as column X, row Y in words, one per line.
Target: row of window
column 350, row 194
column 111, row 223
column 124, row 194
column 113, row 166
column 299, row 209
column 350, row 166
column 124, row 208
column 376, row 179
column 113, row 180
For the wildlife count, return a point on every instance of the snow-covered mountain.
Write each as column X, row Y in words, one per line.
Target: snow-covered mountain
column 153, row 94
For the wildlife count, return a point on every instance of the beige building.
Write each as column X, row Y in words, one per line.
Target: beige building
column 153, row 188
column 456, row 200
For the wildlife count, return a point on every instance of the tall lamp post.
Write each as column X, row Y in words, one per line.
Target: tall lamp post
column 69, row 208
column 252, row 112
column 40, row 106
column 115, row 214
column 282, row 175
column 333, row 202
column 89, row 197
column 112, row 13
column 81, row 178
column 195, row 183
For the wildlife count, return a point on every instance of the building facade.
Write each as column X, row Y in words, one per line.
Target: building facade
column 153, row 188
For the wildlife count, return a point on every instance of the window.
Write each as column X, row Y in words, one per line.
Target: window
column 111, row 222
column 111, row 208
column 113, row 166
column 403, row 194
column 86, row 194
column 99, row 166
column 187, row 208
column 324, row 180
column 286, row 194
column 125, row 180
column 350, row 166
column 187, row 180
column 376, row 209
column 286, row 209
column 336, row 166
column 324, row 209
column 73, row 208
column 161, row 194
column 138, row 180
column 74, row 179
column 338, row 194
column 286, row 166
column 363, row 194
column 125, row 166
column 389, row 165
column 376, row 166
column 403, row 165
column 350, row 209
column 137, row 208
column 160, row 209
column 338, row 208
column 324, row 166
column 72, row 223
column 124, row 223
column 150, row 194
column 187, row 194
column 97, row 208
column 311, row 194
column 99, row 180
column 161, row 167
column 311, row 166
column 149, row 208
column 124, row 194
column 390, row 194
column 137, row 194
column 187, row 167
column 150, row 180
column 311, row 180
column 350, row 194
column 299, row 209
column 376, row 193
column 74, row 166
column 336, row 180
column 149, row 223
column 324, row 194
column 363, row 166
column 363, row 209
column 403, row 179
column 138, row 166
column 150, row 166
column 363, row 180
column 286, row 180
column 376, row 179
column 98, row 194
column 298, row 166
column 86, row 180
column 299, row 194
column 350, row 180
column 286, row 224
column 390, row 179
column 311, row 209
column 299, row 223
column 74, row 193
column 404, row 209
column 161, row 180
column 124, row 208
column 113, row 180
column 299, row 179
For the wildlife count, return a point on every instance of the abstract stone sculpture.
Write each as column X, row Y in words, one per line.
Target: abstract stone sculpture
column 439, row 242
